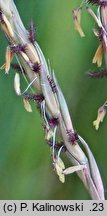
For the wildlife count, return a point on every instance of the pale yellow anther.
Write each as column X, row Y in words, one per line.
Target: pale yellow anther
column 77, row 21
column 25, row 57
column 100, row 116
column 31, row 53
column 98, row 56
column 8, row 58
column 27, row 105
column 59, row 167
column 17, row 84
column 6, row 26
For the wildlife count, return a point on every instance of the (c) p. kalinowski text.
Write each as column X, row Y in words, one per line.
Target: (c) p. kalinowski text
column 50, row 207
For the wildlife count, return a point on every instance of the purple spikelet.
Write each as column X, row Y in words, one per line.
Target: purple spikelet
column 53, row 122
column 101, row 34
column 72, row 137
column 36, row 67
column 17, row 49
column 98, row 74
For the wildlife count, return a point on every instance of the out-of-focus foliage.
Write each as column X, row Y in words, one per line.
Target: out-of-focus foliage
column 25, row 165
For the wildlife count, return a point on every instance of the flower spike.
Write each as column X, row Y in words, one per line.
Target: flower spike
column 42, row 87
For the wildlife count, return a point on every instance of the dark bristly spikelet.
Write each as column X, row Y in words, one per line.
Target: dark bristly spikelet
column 53, row 122
column 72, row 136
column 97, row 74
column 52, row 84
column 102, row 3
column 36, row 67
column 101, row 34
column 17, row 49
column 17, row 68
column 38, row 98
column 32, row 33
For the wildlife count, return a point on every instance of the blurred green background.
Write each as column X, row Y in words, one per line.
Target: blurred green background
column 25, row 165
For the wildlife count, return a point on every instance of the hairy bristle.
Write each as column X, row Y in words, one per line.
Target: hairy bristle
column 102, row 3
column 36, row 67
column 32, row 33
column 97, row 74
column 52, row 84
